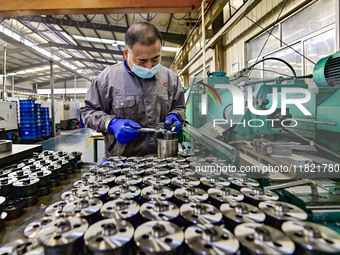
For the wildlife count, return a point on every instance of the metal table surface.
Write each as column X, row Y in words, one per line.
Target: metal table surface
column 19, row 151
column 14, row 229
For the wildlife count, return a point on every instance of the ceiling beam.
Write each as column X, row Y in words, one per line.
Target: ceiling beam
column 75, row 47
column 70, row 78
column 65, row 7
column 168, row 37
column 35, row 76
column 21, row 68
column 91, row 61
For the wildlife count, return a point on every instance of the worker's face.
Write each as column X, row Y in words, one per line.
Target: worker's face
column 146, row 56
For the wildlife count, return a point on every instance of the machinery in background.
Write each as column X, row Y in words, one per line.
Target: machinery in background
column 9, row 121
column 284, row 132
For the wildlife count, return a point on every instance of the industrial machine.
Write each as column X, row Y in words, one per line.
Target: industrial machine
column 8, row 121
column 281, row 131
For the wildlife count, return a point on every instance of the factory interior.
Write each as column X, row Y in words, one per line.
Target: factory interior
column 252, row 166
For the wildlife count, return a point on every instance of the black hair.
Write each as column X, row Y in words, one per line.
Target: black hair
column 144, row 33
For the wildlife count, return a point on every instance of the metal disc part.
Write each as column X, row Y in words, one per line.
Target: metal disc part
column 158, row 237
column 55, row 209
column 93, row 191
column 159, row 210
column 70, row 195
column 108, row 235
column 191, row 194
column 124, row 192
column 259, row 194
column 201, row 213
column 185, row 180
column 243, row 182
column 83, row 207
column 313, row 237
column 128, row 179
column 156, row 179
column 282, row 211
column 225, row 194
column 120, row 209
column 215, row 182
column 239, row 212
column 157, row 193
column 32, row 230
column 210, row 239
column 257, row 238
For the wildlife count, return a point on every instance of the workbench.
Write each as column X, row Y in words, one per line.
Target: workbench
column 19, row 152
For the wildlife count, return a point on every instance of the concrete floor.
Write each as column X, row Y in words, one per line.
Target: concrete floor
column 74, row 140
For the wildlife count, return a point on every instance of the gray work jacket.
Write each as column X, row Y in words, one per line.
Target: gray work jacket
column 118, row 92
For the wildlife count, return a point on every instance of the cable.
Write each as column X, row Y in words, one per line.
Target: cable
column 266, row 70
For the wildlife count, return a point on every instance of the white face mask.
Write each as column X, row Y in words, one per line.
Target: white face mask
column 145, row 73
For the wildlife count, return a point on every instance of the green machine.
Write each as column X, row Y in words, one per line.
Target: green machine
column 286, row 121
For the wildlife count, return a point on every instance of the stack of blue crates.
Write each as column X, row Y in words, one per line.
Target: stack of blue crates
column 38, row 128
column 27, row 119
column 45, row 124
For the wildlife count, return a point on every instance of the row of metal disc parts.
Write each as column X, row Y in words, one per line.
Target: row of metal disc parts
column 22, row 184
column 153, row 206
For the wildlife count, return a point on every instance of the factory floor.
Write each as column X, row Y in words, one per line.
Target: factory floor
column 74, row 140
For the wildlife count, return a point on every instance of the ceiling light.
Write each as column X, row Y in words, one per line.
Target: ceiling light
column 21, row 72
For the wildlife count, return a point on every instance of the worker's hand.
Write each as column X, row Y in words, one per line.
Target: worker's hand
column 103, row 161
column 124, row 130
column 172, row 119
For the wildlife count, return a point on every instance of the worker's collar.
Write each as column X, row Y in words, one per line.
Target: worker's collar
column 132, row 73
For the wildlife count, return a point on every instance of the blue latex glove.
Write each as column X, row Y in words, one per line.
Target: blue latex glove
column 103, row 161
column 173, row 118
column 124, row 130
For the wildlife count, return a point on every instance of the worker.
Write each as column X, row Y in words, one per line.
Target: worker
column 139, row 92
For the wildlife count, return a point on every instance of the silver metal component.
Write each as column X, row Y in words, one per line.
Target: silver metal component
column 19, row 246
column 158, row 237
column 26, row 186
column 239, row 212
column 58, row 237
column 262, row 239
column 157, row 192
column 182, row 171
column 191, row 194
column 156, row 179
column 167, row 148
column 200, row 213
column 108, row 236
column 55, row 209
column 124, row 192
column 312, row 237
column 93, row 191
column 259, row 194
column 128, row 179
column 5, row 145
column 120, row 209
column 20, row 174
column 83, row 207
column 159, row 171
column 70, row 195
column 211, row 239
column 132, row 170
column 185, row 180
column 32, row 230
column 282, row 211
column 159, row 210
column 214, row 181
column 225, row 194
column 243, row 182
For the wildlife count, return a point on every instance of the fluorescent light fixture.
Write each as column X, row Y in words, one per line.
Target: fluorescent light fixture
column 114, row 42
column 39, row 69
column 11, row 74
column 63, row 91
column 21, row 72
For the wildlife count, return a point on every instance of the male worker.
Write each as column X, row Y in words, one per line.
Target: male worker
column 137, row 93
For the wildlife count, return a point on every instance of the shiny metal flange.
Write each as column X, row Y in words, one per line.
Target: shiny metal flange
column 202, row 213
column 117, row 158
column 108, row 236
column 85, row 182
column 43, row 175
column 257, row 238
column 70, row 195
column 128, row 179
column 55, row 169
column 6, row 187
column 32, row 168
column 83, row 208
column 185, row 180
column 32, row 230
column 156, row 180
column 282, row 211
column 158, row 237
column 108, row 181
column 56, row 209
column 132, row 171
column 211, row 239
column 312, row 237
column 154, row 170
column 191, row 194
column 157, row 192
column 243, row 182
column 93, row 191
column 59, row 236
column 239, row 212
column 114, row 167
column 19, row 246
column 124, row 192
column 182, row 172
column 159, row 210
column 120, row 209
column 215, row 181
column 225, row 194
column 2, row 201
column 259, row 194
column 4, row 173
